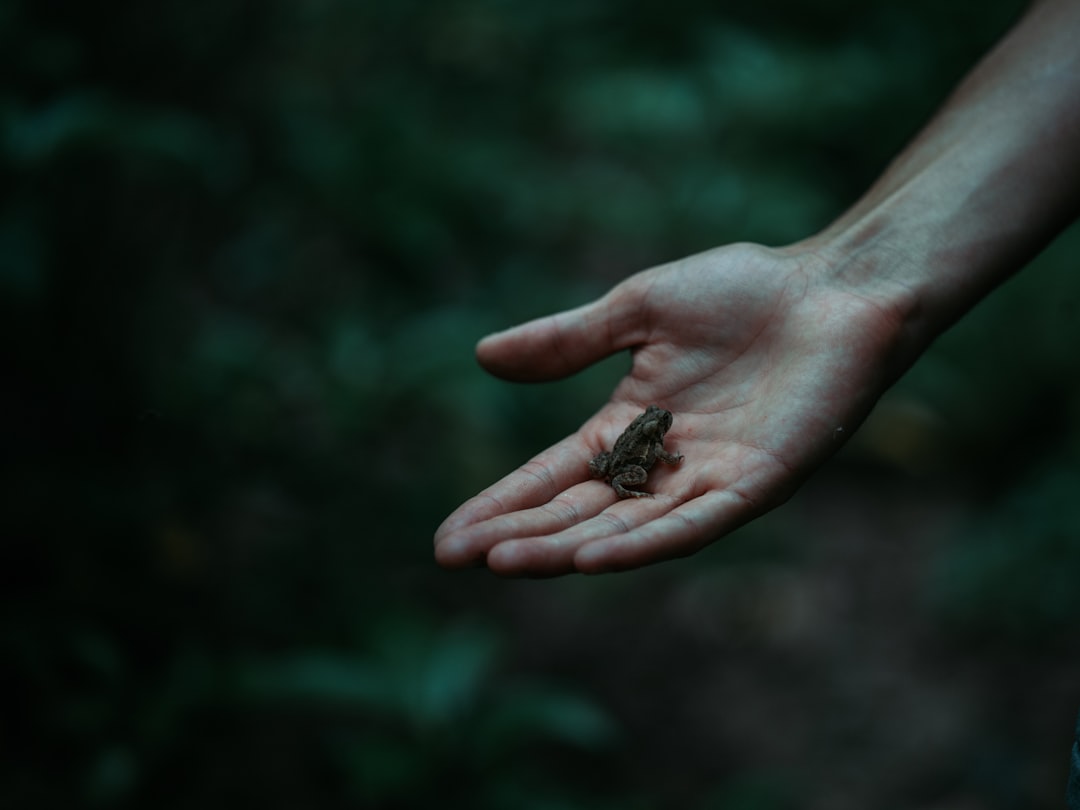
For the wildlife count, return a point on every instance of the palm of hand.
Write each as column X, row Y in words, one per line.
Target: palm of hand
column 765, row 368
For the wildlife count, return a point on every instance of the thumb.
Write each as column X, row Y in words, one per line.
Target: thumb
column 557, row 345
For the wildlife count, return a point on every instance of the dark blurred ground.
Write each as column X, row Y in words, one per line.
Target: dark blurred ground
column 245, row 251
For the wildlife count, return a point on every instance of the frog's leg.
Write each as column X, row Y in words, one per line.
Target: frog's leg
column 665, row 456
column 598, row 467
column 631, row 475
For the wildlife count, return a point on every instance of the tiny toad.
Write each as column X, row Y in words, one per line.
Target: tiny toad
column 635, row 452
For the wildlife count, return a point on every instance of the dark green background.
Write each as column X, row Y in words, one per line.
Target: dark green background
column 246, row 249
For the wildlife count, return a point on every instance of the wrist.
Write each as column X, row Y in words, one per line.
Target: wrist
column 868, row 263
column 978, row 193
column 922, row 253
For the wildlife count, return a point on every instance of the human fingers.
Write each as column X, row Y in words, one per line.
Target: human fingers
column 471, row 545
column 714, row 500
column 553, row 553
column 535, row 483
column 678, row 532
column 558, row 345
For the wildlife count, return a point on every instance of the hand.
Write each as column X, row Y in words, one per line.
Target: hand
column 768, row 364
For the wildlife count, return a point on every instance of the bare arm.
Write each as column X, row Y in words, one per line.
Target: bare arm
column 989, row 181
column 770, row 358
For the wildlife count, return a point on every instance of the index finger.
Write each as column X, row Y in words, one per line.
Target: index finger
column 534, row 483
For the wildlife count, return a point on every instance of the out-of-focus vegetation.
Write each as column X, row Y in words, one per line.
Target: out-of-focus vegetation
column 245, row 251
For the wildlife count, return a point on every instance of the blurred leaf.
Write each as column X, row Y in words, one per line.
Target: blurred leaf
column 636, row 102
column 527, row 715
column 314, row 677
column 91, row 120
column 460, row 666
column 433, row 678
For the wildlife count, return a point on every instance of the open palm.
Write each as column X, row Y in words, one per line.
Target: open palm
column 768, row 364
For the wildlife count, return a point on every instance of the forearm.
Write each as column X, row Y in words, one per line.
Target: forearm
column 983, row 188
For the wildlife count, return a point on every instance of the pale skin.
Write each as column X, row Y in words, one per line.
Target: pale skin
column 771, row 357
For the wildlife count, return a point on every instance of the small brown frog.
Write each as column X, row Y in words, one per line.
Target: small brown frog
column 635, row 452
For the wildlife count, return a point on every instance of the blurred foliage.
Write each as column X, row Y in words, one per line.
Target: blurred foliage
column 245, row 252
column 1014, row 575
column 438, row 731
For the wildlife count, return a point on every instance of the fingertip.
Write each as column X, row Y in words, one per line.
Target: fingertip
column 506, row 559
column 522, row 558
column 550, row 347
column 625, row 553
column 496, row 354
column 594, row 559
column 448, row 527
column 486, row 344
column 511, row 558
column 455, row 551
